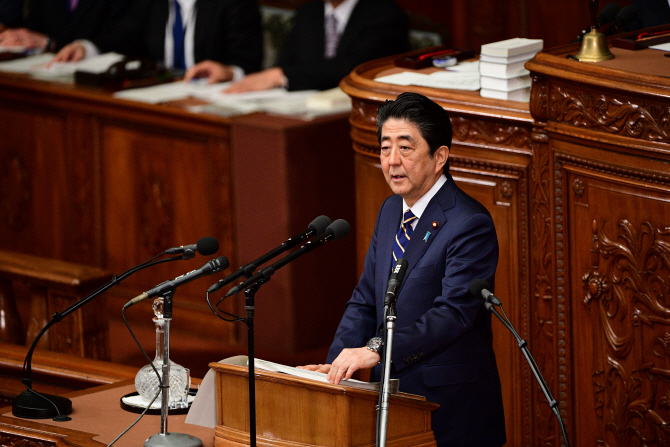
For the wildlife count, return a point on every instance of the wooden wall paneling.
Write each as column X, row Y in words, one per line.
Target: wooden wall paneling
column 34, row 183
column 307, row 172
column 618, row 231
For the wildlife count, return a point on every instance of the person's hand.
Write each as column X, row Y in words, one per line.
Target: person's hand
column 349, row 361
column 71, row 52
column 213, row 71
column 22, row 37
column 318, row 368
column 263, row 80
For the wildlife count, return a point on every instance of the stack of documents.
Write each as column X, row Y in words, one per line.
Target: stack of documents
column 463, row 76
column 501, row 66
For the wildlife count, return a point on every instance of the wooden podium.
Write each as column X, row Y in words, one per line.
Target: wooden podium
column 291, row 411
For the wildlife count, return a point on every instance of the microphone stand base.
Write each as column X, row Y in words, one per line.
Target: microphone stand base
column 31, row 406
column 172, row 440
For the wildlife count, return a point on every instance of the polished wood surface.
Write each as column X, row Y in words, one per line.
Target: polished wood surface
column 490, row 159
column 54, row 286
column 294, row 411
column 105, row 182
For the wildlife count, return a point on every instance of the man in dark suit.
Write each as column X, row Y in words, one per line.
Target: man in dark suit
column 442, row 343
column 226, row 31
column 371, row 29
column 52, row 24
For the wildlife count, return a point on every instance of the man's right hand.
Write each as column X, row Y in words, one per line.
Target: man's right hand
column 318, row 368
column 71, row 52
column 22, row 37
column 213, row 71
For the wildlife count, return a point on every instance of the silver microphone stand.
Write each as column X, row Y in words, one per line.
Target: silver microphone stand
column 384, row 392
column 164, row 438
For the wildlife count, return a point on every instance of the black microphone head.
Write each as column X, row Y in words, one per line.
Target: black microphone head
column 207, row 245
column 216, row 265
column 477, row 286
column 319, row 224
column 626, row 16
column 339, row 229
column 608, row 14
column 400, row 269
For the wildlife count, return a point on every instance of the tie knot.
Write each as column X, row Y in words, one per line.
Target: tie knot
column 408, row 217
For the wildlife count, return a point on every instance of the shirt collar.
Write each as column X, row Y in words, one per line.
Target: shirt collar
column 342, row 13
column 421, row 204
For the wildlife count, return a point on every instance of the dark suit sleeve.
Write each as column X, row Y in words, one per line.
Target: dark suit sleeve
column 11, row 13
column 375, row 29
column 472, row 253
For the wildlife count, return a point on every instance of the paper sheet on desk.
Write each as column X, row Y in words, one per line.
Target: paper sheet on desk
column 468, row 79
column 661, row 46
column 26, row 64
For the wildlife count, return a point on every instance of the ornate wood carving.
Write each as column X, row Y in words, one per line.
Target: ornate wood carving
column 578, row 187
column 539, row 99
column 542, row 284
column 629, row 283
column 605, row 112
column 490, row 133
column 7, row 439
column 15, row 192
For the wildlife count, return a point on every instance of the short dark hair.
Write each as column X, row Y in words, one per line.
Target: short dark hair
column 431, row 119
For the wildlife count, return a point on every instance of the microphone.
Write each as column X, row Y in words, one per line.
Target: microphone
column 395, row 281
column 607, row 15
column 205, row 246
column 337, row 230
column 480, row 289
column 315, row 228
column 625, row 17
column 211, row 267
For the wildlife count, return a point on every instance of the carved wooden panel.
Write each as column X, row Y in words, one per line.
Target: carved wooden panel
column 34, row 182
column 160, row 189
column 618, row 317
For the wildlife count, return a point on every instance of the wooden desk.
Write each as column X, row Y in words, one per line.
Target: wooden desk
column 92, row 179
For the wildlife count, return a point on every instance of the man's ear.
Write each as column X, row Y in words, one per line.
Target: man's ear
column 441, row 156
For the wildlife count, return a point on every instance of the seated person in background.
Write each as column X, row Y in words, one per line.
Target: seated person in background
column 651, row 13
column 11, row 14
column 321, row 50
column 51, row 24
column 180, row 33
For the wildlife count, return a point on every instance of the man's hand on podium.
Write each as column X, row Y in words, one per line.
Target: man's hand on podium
column 346, row 364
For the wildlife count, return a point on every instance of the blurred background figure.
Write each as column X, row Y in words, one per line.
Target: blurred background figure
column 52, row 24
column 328, row 39
column 11, row 14
column 180, row 33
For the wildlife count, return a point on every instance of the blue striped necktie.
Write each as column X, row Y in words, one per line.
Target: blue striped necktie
column 178, row 36
column 403, row 236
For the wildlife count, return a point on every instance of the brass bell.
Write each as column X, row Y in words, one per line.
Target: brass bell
column 594, row 48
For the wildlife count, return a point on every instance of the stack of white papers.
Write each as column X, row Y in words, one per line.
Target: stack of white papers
column 39, row 66
column 502, row 68
column 464, row 76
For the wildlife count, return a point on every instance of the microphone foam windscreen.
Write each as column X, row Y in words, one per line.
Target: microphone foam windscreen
column 207, row 245
column 608, row 14
column 628, row 14
column 319, row 224
column 339, row 228
column 476, row 287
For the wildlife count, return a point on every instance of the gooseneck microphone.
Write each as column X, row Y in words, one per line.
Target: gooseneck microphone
column 625, row 17
column 337, row 230
column 205, row 246
column 395, row 281
column 315, row 228
column 480, row 289
column 211, row 267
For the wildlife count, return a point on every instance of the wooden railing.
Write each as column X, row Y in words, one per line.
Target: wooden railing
column 53, row 286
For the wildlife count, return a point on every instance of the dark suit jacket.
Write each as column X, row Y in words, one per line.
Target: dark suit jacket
column 651, row 13
column 11, row 13
column 442, row 344
column 89, row 19
column 226, row 31
column 376, row 28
